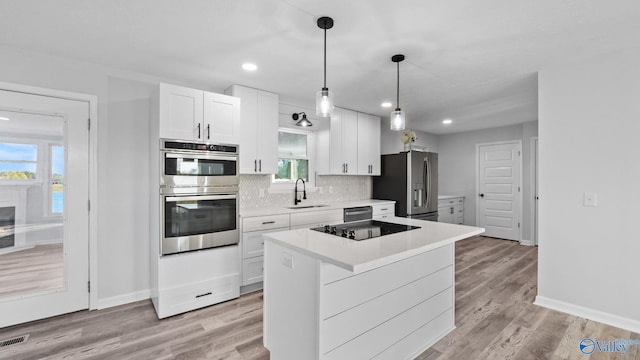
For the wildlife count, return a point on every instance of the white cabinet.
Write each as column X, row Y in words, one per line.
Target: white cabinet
column 190, row 114
column 383, row 211
column 351, row 144
column 368, row 144
column 259, row 129
column 253, row 245
column 451, row 210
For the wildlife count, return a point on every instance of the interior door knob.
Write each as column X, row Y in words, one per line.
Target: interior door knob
column 481, row 195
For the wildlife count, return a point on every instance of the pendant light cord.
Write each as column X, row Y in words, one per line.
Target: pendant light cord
column 325, row 58
column 398, row 87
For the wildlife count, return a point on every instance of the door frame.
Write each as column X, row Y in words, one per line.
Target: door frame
column 520, row 209
column 533, row 159
column 92, row 100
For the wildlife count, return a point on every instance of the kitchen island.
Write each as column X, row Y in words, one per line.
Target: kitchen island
column 388, row 297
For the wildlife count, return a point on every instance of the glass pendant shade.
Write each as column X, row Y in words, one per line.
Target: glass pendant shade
column 324, row 103
column 397, row 119
column 304, row 122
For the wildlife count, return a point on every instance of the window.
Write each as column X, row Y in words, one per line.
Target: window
column 293, row 161
column 18, row 161
column 57, row 180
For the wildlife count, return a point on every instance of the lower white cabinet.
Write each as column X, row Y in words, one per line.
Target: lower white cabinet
column 253, row 245
column 384, row 211
column 451, row 210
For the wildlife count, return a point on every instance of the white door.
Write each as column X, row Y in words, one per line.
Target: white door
column 44, row 183
column 499, row 190
column 221, row 119
column 267, row 132
column 181, row 113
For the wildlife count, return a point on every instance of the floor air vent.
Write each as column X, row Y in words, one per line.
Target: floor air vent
column 13, row 341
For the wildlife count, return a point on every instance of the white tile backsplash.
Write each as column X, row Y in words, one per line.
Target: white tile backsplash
column 330, row 189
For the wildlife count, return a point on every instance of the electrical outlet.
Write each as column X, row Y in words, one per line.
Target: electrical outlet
column 590, row 199
column 287, row 260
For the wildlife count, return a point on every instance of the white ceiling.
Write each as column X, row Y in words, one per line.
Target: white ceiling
column 470, row 60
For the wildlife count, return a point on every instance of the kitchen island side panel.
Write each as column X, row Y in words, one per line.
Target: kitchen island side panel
column 290, row 303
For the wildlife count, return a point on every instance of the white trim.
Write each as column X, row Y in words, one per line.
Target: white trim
column 587, row 313
column 123, row 299
column 527, row 242
column 93, row 171
column 519, row 143
column 533, row 154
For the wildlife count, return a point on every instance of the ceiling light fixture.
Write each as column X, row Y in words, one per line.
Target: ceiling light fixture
column 304, row 122
column 4, row 118
column 386, row 104
column 324, row 97
column 397, row 116
column 447, row 121
column 250, row 66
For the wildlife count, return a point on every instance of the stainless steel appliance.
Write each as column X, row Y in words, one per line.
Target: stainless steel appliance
column 411, row 180
column 198, row 196
column 198, row 164
column 358, row 213
column 362, row 230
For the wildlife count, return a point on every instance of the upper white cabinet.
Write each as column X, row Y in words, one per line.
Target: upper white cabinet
column 368, row 144
column 351, row 144
column 190, row 114
column 259, row 128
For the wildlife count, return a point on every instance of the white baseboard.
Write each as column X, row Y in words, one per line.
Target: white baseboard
column 123, row 299
column 527, row 242
column 587, row 313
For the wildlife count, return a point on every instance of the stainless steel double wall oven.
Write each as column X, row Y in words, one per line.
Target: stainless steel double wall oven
column 198, row 196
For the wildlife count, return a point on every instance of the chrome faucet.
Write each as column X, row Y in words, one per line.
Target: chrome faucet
column 295, row 192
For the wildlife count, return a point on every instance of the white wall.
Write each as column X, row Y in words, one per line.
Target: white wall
column 589, row 128
column 123, row 155
column 457, row 165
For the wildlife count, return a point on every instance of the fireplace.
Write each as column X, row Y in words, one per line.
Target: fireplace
column 7, row 226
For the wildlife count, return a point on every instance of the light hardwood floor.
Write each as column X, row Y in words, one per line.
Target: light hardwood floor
column 495, row 319
column 37, row 269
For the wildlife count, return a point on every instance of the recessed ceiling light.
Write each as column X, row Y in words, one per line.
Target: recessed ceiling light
column 4, row 118
column 447, row 121
column 250, row 66
column 386, row 104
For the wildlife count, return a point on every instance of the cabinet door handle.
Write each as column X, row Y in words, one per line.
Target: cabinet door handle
column 268, row 222
column 452, row 210
column 385, row 209
column 347, row 168
column 208, row 131
column 255, row 165
column 198, row 131
column 260, row 165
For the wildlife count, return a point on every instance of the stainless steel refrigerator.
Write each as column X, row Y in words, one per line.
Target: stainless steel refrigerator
column 411, row 179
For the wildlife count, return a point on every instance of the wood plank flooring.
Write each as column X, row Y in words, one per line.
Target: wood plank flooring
column 40, row 268
column 495, row 319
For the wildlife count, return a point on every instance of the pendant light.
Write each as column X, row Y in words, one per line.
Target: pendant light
column 304, row 122
column 397, row 116
column 324, row 97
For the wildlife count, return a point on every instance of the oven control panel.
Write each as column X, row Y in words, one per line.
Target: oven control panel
column 177, row 145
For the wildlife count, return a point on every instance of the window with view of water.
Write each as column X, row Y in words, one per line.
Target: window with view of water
column 18, row 161
column 57, row 179
column 293, row 162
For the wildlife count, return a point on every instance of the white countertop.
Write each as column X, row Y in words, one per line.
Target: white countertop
column 443, row 197
column 359, row 256
column 250, row 212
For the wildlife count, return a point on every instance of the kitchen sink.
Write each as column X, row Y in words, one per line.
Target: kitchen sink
column 305, row 207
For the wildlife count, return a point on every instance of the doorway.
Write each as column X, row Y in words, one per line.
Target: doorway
column 45, row 187
column 534, row 190
column 499, row 185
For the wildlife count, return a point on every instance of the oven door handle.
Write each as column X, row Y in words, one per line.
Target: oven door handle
column 201, row 197
column 195, row 157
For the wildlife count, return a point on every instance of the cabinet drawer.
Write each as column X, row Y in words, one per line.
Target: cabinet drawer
column 199, row 294
column 383, row 217
column 252, row 270
column 316, row 217
column 253, row 243
column 451, row 201
column 384, row 209
column 259, row 223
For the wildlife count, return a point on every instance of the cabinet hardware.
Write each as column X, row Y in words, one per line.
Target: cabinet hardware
column 255, row 165
column 260, row 165
column 268, row 222
column 452, row 210
column 208, row 131
column 385, row 209
column 198, row 131
column 205, row 294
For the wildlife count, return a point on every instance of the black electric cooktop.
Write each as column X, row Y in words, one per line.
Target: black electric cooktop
column 362, row 230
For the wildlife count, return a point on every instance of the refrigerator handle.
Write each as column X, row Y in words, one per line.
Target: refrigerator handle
column 427, row 181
